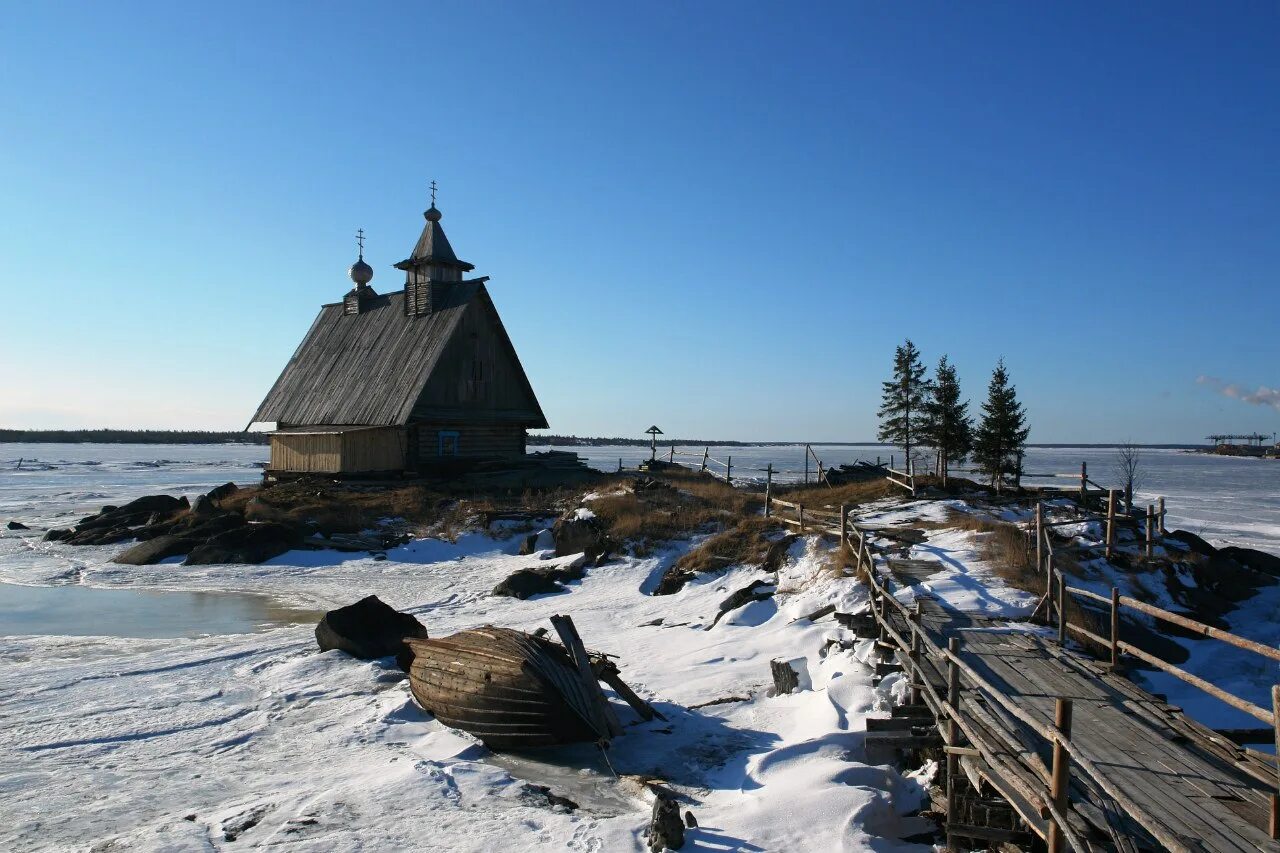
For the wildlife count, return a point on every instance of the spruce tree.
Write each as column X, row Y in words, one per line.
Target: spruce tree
column 999, row 443
column 947, row 426
column 902, row 409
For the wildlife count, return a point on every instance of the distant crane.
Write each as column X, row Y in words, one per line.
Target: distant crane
column 1250, row 438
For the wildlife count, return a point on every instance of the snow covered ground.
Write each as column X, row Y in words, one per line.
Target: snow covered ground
column 214, row 742
column 185, row 744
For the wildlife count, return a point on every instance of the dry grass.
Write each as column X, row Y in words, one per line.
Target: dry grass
column 1011, row 553
column 694, row 503
column 819, row 494
column 744, row 543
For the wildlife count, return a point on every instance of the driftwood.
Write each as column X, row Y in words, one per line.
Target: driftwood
column 752, row 592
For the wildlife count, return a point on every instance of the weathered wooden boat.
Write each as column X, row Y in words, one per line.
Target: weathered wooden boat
column 511, row 689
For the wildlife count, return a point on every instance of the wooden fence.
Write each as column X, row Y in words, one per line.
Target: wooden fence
column 914, row 644
column 1056, row 596
column 958, row 716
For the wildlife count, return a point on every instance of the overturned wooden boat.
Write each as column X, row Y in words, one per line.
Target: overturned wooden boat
column 515, row 690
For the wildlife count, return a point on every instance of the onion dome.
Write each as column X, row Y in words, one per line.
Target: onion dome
column 432, row 214
column 360, row 272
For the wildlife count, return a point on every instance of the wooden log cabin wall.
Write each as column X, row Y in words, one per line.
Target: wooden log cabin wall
column 411, row 379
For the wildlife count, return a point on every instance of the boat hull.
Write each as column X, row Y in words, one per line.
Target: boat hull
column 510, row 689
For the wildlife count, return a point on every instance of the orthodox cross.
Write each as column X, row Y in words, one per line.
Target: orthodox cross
column 360, row 240
column 433, row 193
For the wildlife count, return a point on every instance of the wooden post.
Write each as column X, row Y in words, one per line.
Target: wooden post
column 953, row 735
column 728, row 470
column 768, row 489
column 706, row 453
column 806, row 464
column 1160, row 511
column 1048, row 584
column 1061, row 777
column 915, row 651
column 820, row 472
column 844, row 525
column 1115, row 628
column 800, row 509
column 1039, row 535
column 1111, row 522
column 1151, row 541
column 619, row 463
column 671, row 457
column 1084, row 485
column 1275, row 798
column 1062, row 609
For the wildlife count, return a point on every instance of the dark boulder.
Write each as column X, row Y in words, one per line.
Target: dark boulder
column 56, row 534
column 17, row 525
column 666, row 829
column 203, row 506
column 527, row 582
column 1193, row 542
column 252, row 543
column 369, row 629
column 531, row 544
column 156, row 549
column 153, row 503
column 259, row 510
column 540, row 579
column 218, row 493
column 1259, row 561
column 580, row 532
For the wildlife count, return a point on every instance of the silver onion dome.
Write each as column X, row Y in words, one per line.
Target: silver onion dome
column 361, row 273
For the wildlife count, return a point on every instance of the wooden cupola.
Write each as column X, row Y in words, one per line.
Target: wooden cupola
column 360, row 274
column 431, row 266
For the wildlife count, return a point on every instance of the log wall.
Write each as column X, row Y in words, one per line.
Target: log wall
column 475, row 439
column 340, row 452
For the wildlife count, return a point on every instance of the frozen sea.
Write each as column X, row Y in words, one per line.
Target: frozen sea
column 1227, row 500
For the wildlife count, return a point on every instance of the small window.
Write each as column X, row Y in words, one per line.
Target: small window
column 448, row 442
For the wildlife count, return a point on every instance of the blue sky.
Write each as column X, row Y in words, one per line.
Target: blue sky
column 717, row 217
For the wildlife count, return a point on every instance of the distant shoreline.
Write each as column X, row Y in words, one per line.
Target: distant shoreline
column 120, row 436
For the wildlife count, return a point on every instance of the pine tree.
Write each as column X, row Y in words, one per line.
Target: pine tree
column 902, row 409
column 947, row 426
column 1000, row 440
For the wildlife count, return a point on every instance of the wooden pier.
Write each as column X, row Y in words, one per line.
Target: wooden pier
column 1086, row 758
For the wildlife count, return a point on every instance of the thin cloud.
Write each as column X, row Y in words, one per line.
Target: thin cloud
column 1264, row 396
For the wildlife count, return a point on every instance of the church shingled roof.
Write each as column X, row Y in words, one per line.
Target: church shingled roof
column 368, row 368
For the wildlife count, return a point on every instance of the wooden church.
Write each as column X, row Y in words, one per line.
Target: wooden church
column 423, row 377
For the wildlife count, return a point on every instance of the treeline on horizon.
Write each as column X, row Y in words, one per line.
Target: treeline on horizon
column 129, row 436
column 177, row 436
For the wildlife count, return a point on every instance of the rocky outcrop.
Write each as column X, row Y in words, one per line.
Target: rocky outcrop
column 154, row 550
column 1193, row 542
column 1259, row 561
column 117, row 524
column 17, row 525
column 369, row 629
column 540, row 579
column 251, row 543
column 581, row 532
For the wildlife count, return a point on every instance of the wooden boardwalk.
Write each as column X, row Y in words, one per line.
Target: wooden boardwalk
column 1143, row 775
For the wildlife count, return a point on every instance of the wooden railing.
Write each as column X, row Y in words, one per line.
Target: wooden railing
column 960, row 716
column 1056, row 579
column 905, row 479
